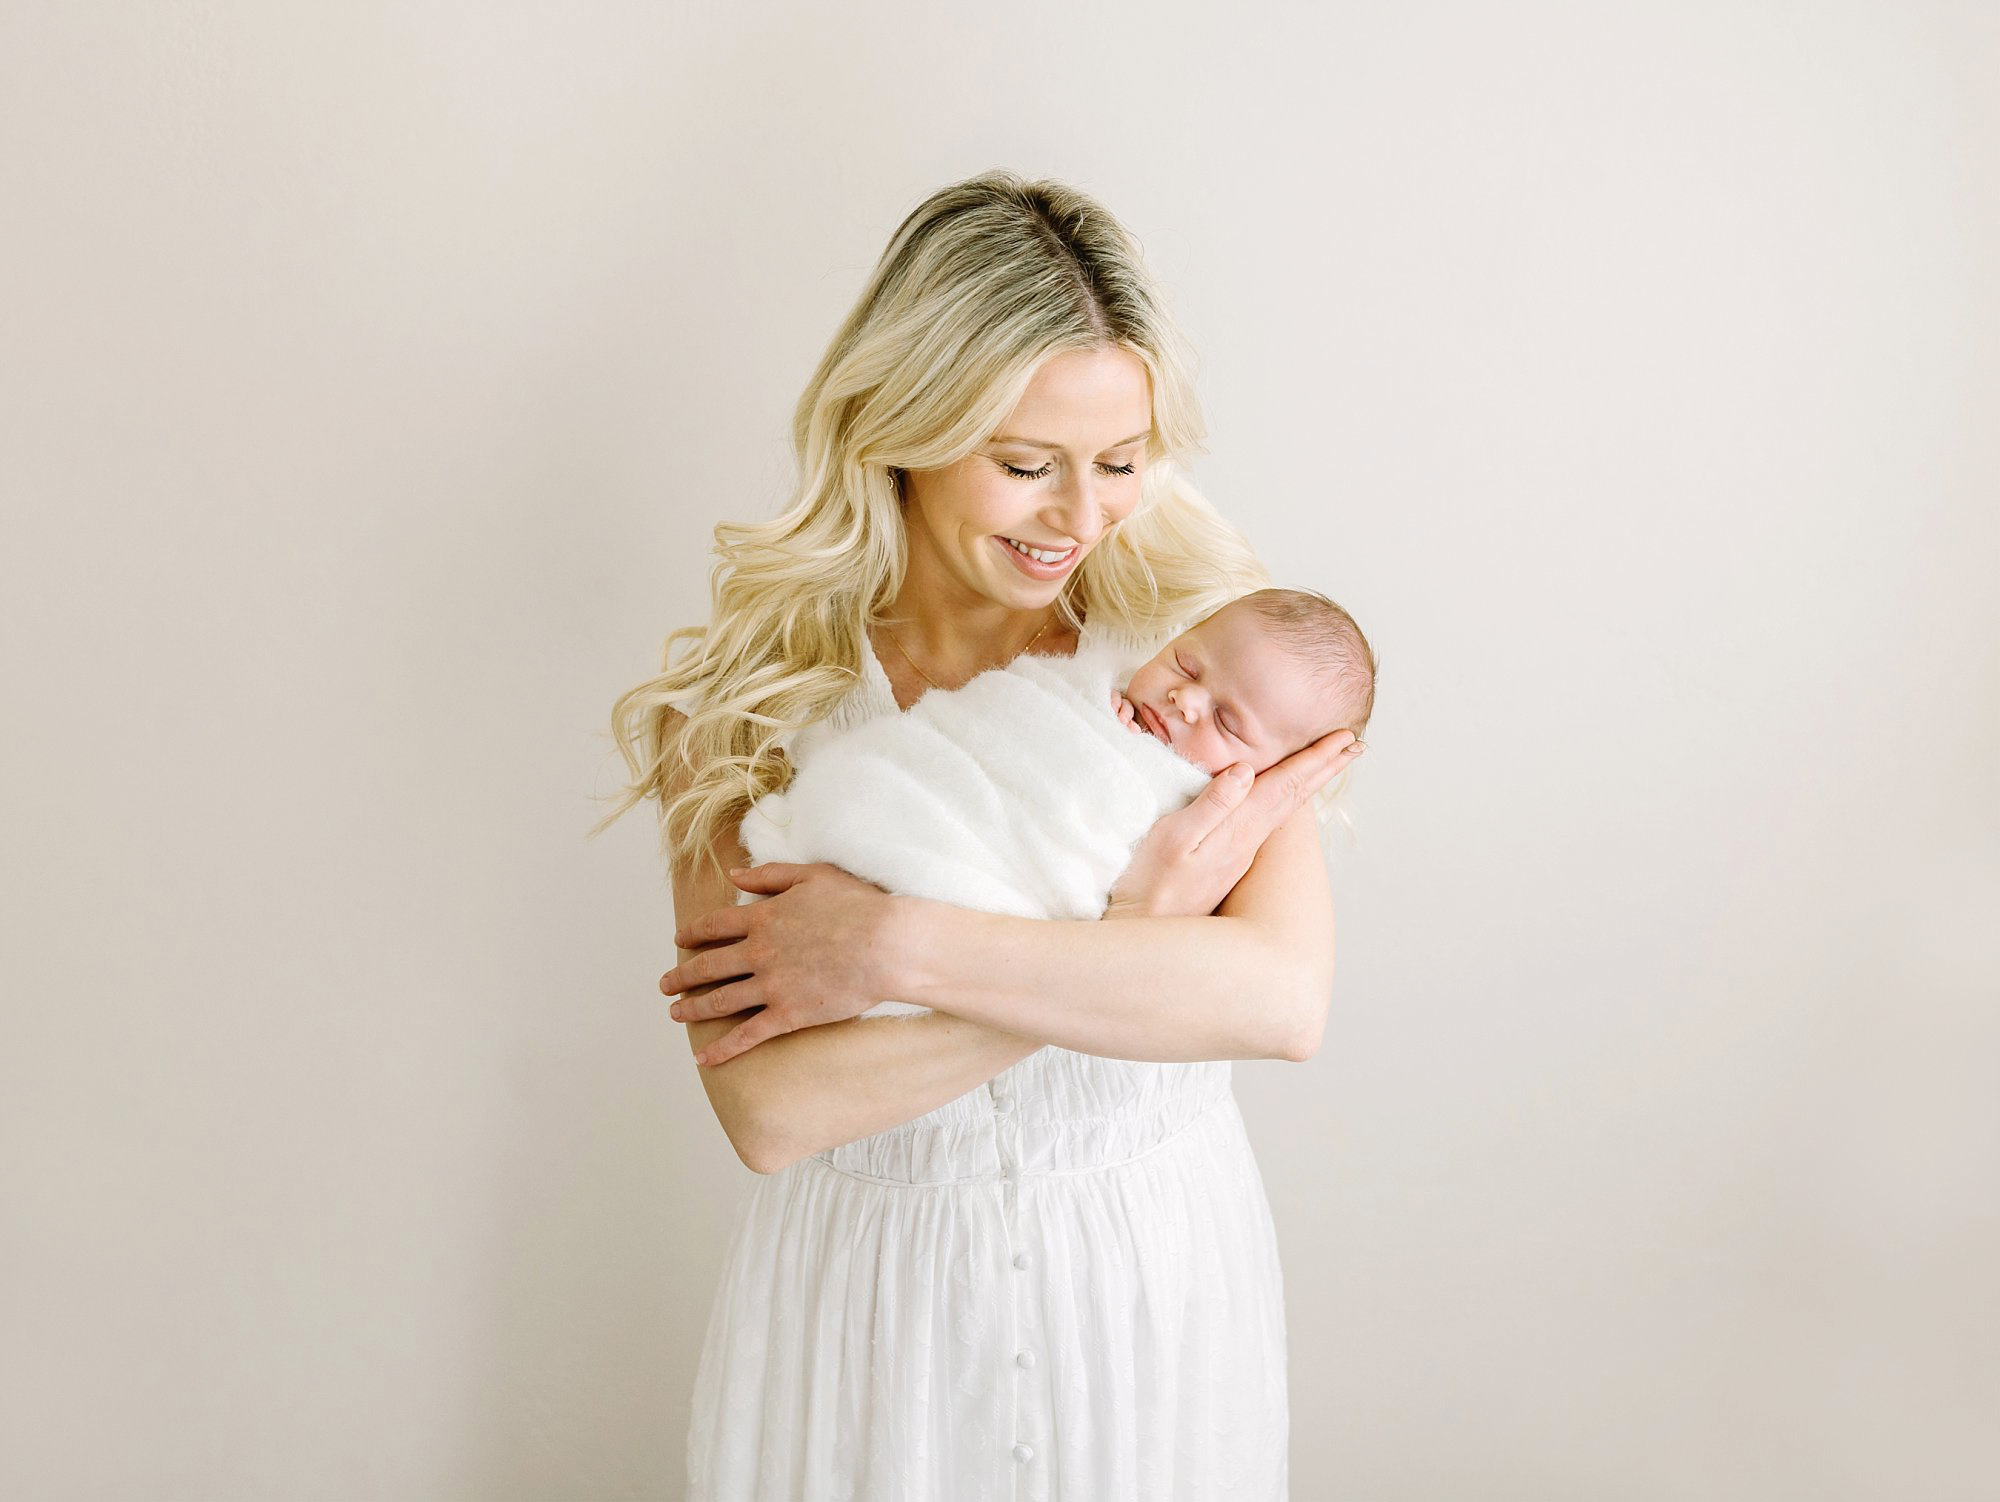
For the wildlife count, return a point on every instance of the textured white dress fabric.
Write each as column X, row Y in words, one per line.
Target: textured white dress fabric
column 1063, row 1286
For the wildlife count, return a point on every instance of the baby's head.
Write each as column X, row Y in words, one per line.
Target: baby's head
column 1266, row 675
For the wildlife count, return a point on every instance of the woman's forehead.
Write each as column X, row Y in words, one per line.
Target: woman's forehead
column 1087, row 399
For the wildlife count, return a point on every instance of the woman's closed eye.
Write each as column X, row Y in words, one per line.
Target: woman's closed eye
column 1037, row 474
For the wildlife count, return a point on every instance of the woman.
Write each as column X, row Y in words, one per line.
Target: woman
column 1015, row 1245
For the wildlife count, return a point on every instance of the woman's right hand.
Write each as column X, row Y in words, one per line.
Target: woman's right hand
column 1193, row 857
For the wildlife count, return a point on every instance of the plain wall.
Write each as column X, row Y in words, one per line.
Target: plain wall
column 373, row 379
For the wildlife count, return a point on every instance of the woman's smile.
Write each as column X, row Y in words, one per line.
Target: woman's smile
column 1035, row 568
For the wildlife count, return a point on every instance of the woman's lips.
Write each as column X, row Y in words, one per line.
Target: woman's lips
column 1033, row 569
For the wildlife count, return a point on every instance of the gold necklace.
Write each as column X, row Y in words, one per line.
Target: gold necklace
column 932, row 681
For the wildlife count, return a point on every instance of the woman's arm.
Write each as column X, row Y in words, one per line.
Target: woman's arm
column 1251, row 982
column 836, row 1082
column 1161, row 983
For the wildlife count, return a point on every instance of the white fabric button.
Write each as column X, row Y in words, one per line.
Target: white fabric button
column 1003, row 1102
column 1024, row 1452
column 1021, row 1259
column 1026, row 1358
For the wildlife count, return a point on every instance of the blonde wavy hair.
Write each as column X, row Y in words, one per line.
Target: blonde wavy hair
column 985, row 280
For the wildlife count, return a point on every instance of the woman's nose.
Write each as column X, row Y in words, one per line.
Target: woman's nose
column 1080, row 512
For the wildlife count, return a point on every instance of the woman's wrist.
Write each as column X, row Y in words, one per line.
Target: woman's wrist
column 916, row 926
column 904, row 947
column 924, row 953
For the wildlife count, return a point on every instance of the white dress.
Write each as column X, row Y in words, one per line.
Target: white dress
column 1063, row 1286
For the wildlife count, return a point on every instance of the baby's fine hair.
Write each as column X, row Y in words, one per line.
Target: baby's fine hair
column 1324, row 638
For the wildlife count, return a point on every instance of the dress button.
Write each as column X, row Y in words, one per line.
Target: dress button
column 1024, row 1452
column 1026, row 1358
column 1003, row 1102
column 1021, row 1259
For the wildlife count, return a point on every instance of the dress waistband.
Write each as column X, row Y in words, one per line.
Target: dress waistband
column 993, row 1145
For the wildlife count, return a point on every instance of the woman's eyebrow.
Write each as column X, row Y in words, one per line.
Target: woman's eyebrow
column 1043, row 443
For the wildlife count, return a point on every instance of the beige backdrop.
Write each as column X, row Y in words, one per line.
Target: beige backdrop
column 373, row 377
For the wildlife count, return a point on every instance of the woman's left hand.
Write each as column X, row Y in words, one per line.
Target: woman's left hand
column 816, row 949
column 1193, row 857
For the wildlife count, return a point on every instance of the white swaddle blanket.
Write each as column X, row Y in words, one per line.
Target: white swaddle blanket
column 1021, row 792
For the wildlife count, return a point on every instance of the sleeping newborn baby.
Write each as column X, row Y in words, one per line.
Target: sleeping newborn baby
column 1266, row 675
column 1024, row 791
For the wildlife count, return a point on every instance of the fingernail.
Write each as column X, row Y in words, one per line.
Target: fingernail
column 674, row 1011
column 1240, row 773
column 739, row 870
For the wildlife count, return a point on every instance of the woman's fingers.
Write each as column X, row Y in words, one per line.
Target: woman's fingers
column 1225, row 792
column 1282, row 788
column 1211, row 807
column 698, row 970
column 739, row 1039
column 714, row 926
column 809, row 955
column 723, row 1001
column 1315, row 765
column 772, row 876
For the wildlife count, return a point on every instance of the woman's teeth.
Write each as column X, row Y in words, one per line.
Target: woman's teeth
column 1040, row 555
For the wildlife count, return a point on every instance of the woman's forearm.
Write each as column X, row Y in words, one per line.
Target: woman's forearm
column 1250, row 981
column 805, row 1091
column 1154, row 989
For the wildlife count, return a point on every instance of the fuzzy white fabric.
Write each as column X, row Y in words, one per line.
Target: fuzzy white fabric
column 1020, row 792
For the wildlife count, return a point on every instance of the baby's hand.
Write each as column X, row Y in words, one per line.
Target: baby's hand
column 1126, row 712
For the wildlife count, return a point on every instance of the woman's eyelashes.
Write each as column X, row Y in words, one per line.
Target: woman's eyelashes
column 1045, row 471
